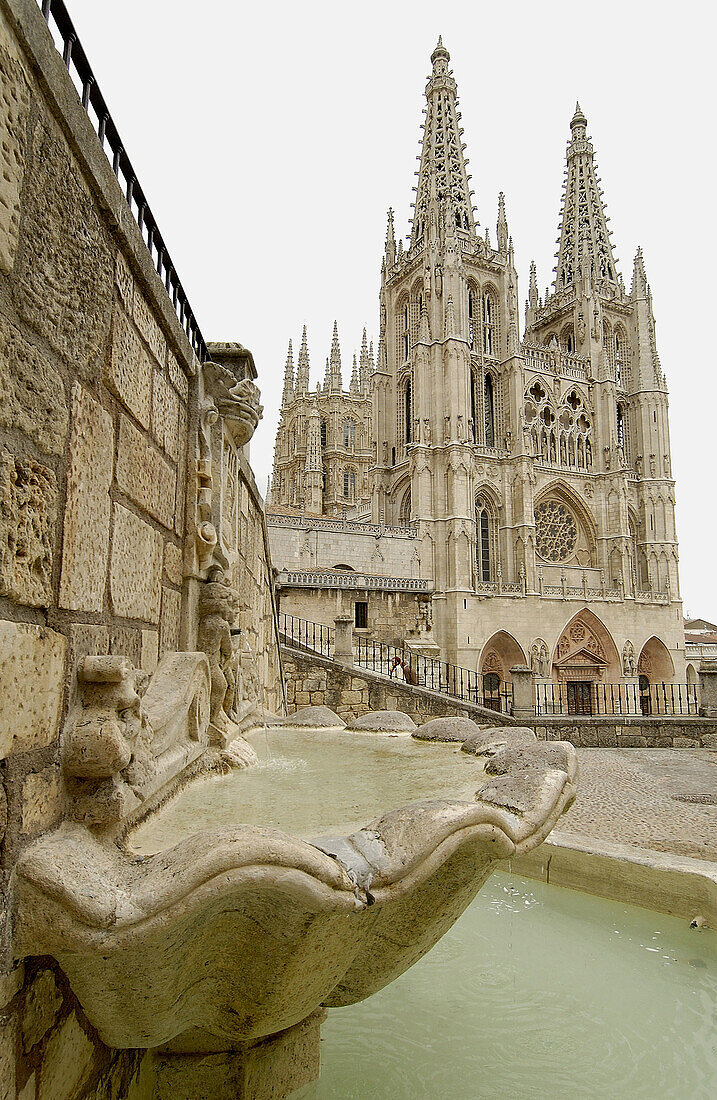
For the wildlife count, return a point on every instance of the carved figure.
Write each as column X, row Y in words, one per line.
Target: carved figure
column 218, row 605
column 629, row 661
column 107, row 754
column 540, row 659
column 237, row 401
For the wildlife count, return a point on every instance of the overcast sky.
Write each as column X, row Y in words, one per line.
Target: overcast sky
column 271, row 138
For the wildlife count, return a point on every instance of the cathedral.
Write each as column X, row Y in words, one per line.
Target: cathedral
column 524, row 485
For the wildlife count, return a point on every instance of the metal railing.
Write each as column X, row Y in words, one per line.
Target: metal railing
column 587, row 698
column 307, row 578
column 75, row 59
column 432, row 673
column 302, row 634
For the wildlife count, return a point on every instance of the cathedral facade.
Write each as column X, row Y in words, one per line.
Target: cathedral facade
column 535, row 473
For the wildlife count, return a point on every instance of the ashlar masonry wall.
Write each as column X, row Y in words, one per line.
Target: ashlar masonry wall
column 98, row 488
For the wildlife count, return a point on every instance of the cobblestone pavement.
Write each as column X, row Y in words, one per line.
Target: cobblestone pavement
column 664, row 799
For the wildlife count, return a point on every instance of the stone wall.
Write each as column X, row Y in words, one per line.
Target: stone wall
column 299, row 544
column 99, row 391
column 630, row 733
column 351, row 692
column 393, row 617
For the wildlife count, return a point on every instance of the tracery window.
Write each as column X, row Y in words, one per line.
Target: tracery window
column 323, row 433
column 349, row 433
column 556, row 531
column 405, row 338
column 474, row 408
column 349, row 484
column 472, row 318
column 404, row 515
column 484, row 556
column 407, row 411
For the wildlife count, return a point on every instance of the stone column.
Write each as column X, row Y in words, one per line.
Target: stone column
column 522, row 677
column 343, row 639
column 708, row 689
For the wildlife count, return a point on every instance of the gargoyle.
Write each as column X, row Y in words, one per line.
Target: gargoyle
column 237, row 401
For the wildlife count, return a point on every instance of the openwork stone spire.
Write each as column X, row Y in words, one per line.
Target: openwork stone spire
column 313, row 461
column 584, row 247
column 639, row 278
column 288, row 393
column 332, row 378
column 365, row 365
column 302, row 370
column 443, row 193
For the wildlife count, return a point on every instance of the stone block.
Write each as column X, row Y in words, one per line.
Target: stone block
column 302, row 698
column 128, row 371
column 317, row 698
column 150, row 651
column 67, row 1062
column 32, row 393
column 177, row 376
column 85, row 639
column 348, row 696
column 165, row 415
column 181, row 497
column 28, row 514
column 147, row 325
column 31, row 670
column 357, row 684
column 709, row 740
column 124, row 281
column 43, row 1001
column 125, row 641
column 65, row 264
column 136, row 567
column 685, row 743
column 632, row 741
column 170, row 621
column 14, row 107
column 42, row 800
column 86, row 533
column 144, row 475
column 173, row 565
column 607, row 738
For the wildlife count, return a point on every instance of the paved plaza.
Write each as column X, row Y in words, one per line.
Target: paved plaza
column 661, row 799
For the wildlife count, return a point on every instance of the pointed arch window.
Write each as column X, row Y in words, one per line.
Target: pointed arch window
column 619, row 353
column 484, row 540
column 489, row 325
column 349, row 433
column 404, row 515
column 489, row 410
column 406, row 330
column 474, row 407
column 349, row 484
column 407, row 411
column 323, row 433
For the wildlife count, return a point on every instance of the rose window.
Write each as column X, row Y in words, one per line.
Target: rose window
column 556, row 532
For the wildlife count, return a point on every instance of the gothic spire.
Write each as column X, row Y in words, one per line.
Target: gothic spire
column 354, row 384
column 502, row 225
column 333, row 364
column 533, row 286
column 365, row 365
column 302, row 370
column 288, row 393
column 313, row 459
column 442, row 192
column 584, row 247
column 639, row 286
column 390, row 240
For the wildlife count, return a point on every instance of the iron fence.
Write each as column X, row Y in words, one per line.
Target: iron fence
column 302, row 634
column 589, row 698
column 75, row 59
column 430, row 672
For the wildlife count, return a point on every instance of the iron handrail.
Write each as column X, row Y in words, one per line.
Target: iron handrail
column 74, row 56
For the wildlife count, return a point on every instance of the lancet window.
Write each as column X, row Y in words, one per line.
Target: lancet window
column 473, row 318
column 349, row 433
column 489, row 410
column 349, row 484
column 490, row 325
column 407, row 412
column 323, row 433
column 484, row 539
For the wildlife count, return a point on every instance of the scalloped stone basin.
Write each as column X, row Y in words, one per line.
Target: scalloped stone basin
column 235, row 927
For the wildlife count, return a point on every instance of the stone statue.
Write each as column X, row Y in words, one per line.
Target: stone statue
column 629, row 660
column 218, row 605
column 107, row 749
column 237, row 401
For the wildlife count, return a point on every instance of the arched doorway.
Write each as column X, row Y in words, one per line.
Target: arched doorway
column 585, row 658
column 500, row 653
column 655, row 673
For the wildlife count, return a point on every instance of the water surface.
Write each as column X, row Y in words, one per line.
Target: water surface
column 313, row 783
column 537, row 992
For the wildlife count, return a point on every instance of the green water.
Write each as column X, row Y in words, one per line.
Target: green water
column 537, row 992
column 313, row 783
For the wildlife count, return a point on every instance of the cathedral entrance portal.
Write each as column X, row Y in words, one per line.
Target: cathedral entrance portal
column 580, row 693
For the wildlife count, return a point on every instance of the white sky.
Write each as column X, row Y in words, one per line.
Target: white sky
column 271, row 138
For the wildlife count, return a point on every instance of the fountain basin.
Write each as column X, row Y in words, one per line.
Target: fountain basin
column 242, row 931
